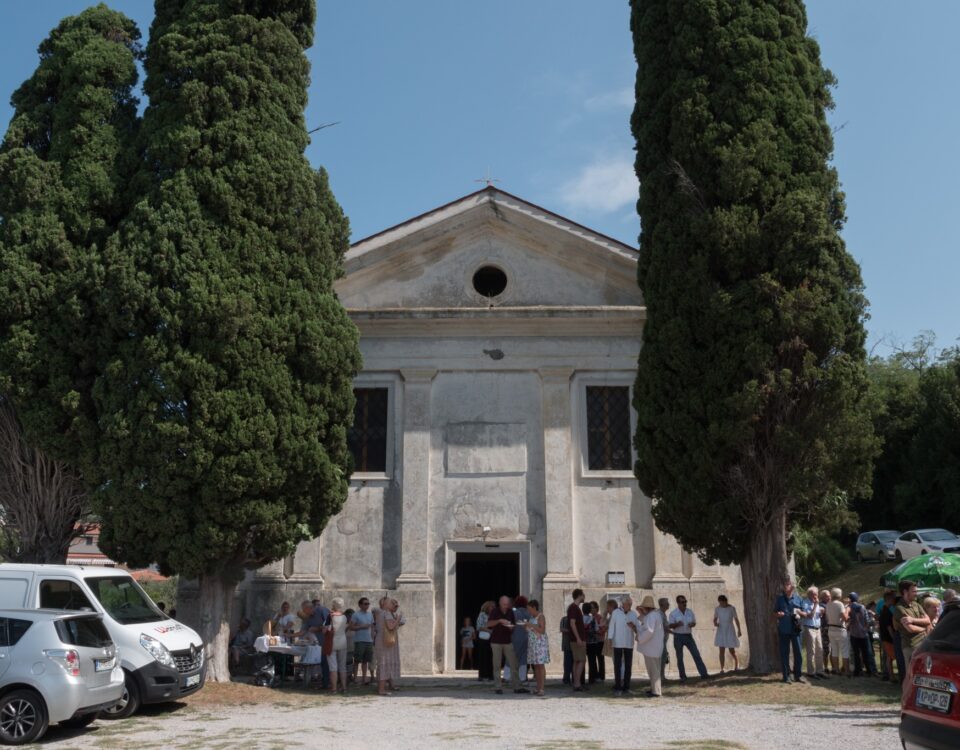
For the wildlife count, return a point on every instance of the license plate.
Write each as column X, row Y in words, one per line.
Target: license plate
column 103, row 665
column 933, row 699
column 192, row 680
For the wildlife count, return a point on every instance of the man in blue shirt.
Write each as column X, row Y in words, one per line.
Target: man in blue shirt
column 812, row 643
column 789, row 611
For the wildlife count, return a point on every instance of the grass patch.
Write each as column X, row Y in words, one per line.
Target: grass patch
column 577, row 725
column 748, row 689
column 864, row 578
column 706, row 745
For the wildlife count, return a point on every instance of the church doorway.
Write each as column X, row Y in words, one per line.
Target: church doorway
column 477, row 572
column 484, row 576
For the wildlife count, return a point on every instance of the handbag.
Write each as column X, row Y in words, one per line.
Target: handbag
column 608, row 648
column 484, row 635
column 389, row 637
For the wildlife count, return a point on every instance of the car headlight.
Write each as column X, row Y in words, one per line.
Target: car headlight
column 157, row 650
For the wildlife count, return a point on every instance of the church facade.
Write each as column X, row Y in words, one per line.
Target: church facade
column 493, row 432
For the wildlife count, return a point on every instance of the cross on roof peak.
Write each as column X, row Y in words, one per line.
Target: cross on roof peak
column 487, row 179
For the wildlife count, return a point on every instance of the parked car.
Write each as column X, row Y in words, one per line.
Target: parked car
column 930, row 709
column 876, row 545
column 55, row 668
column 925, row 541
column 162, row 659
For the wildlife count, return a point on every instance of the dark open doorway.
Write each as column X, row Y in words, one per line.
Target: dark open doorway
column 484, row 576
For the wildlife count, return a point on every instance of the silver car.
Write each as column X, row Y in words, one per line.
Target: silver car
column 876, row 545
column 56, row 667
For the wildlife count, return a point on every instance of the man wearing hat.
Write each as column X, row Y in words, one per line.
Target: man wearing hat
column 650, row 637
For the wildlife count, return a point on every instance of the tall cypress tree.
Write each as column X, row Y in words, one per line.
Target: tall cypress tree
column 65, row 165
column 226, row 392
column 751, row 384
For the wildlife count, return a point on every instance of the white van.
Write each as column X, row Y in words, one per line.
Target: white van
column 162, row 659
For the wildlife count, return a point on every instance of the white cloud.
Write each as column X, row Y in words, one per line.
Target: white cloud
column 604, row 186
column 619, row 99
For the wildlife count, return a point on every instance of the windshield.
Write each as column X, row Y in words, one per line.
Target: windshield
column 124, row 600
column 888, row 536
column 937, row 536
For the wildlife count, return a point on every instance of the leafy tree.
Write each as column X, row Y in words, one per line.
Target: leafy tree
column 929, row 491
column 751, row 387
column 64, row 166
column 896, row 403
column 226, row 386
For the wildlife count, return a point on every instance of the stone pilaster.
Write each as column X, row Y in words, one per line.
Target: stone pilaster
column 558, row 460
column 306, row 564
column 415, row 535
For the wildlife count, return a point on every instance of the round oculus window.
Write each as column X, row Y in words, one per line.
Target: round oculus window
column 489, row 281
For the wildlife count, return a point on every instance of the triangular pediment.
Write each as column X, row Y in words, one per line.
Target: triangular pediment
column 430, row 261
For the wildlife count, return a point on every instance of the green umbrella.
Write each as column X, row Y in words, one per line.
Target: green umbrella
column 939, row 571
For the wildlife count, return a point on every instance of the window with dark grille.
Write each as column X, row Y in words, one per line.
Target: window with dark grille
column 368, row 436
column 608, row 428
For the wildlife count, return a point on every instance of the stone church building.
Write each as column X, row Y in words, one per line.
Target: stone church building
column 493, row 432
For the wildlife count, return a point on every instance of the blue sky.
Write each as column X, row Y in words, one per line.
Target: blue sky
column 430, row 94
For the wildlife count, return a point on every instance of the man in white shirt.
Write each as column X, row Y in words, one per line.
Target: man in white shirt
column 650, row 639
column 622, row 631
column 285, row 622
column 681, row 624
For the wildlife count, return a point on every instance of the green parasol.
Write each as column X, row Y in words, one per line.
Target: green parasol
column 937, row 571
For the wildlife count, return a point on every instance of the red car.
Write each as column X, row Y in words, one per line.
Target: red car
column 930, row 710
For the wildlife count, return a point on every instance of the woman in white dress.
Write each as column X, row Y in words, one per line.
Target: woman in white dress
column 724, row 619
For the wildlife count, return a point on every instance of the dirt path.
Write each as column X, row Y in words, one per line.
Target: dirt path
column 466, row 716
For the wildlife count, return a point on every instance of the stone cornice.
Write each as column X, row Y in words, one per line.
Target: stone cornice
column 624, row 320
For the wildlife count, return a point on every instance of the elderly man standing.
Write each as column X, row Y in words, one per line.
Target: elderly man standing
column 812, row 642
column 650, row 638
column 501, row 624
column 789, row 609
column 681, row 623
column 621, row 633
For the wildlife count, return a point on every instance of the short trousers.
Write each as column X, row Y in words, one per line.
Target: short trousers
column 579, row 651
column 362, row 652
column 839, row 643
column 337, row 660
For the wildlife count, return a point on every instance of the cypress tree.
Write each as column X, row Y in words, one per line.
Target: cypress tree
column 65, row 164
column 751, row 383
column 226, row 388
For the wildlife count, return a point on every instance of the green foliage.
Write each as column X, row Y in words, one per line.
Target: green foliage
column 161, row 591
column 751, row 392
column 226, row 375
column 928, row 493
column 916, row 482
column 64, row 167
column 819, row 557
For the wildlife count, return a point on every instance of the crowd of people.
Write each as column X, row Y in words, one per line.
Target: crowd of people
column 834, row 630
column 509, row 638
column 341, row 646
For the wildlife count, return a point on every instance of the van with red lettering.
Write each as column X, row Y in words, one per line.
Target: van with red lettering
column 162, row 659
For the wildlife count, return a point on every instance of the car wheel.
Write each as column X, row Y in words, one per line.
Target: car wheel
column 129, row 702
column 79, row 722
column 881, row 558
column 23, row 717
column 859, row 557
column 899, row 556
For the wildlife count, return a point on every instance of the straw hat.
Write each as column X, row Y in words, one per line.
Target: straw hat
column 648, row 603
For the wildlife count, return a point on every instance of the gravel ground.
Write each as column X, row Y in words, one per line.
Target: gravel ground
column 457, row 717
